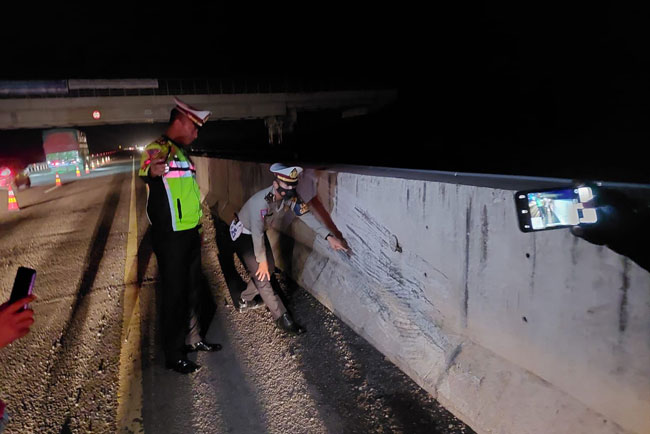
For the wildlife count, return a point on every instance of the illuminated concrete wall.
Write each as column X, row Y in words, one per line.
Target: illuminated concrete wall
column 514, row 333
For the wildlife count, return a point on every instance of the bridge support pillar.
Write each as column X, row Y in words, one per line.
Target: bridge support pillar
column 277, row 124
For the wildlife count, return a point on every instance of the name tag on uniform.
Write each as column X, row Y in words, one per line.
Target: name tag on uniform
column 236, row 228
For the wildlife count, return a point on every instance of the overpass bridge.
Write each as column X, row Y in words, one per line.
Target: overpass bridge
column 82, row 103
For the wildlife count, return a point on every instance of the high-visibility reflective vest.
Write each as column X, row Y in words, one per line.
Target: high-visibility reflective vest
column 173, row 200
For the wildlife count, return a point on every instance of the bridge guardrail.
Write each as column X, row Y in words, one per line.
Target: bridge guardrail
column 207, row 86
column 38, row 167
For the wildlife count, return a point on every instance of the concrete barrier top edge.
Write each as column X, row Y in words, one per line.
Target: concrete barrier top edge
column 498, row 181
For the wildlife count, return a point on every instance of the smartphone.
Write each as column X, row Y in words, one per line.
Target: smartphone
column 23, row 284
column 555, row 208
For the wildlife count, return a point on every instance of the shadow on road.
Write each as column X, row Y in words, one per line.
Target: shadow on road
column 170, row 402
column 145, row 251
column 66, row 359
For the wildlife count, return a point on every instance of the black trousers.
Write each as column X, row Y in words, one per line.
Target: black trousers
column 179, row 263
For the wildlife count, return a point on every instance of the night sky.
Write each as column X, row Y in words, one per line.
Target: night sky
column 536, row 89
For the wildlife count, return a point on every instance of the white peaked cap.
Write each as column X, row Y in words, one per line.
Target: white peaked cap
column 199, row 117
column 288, row 174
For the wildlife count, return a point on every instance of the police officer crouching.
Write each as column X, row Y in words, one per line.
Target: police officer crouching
column 248, row 232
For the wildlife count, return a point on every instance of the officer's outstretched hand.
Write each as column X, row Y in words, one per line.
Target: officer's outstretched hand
column 15, row 323
column 263, row 271
column 336, row 244
column 623, row 226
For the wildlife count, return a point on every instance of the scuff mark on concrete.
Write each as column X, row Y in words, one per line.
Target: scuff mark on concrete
column 468, row 226
column 372, row 221
column 331, row 191
column 358, row 236
column 336, row 195
column 408, row 197
column 574, row 251
column 396, row 293
column 424, row 199
column 484, row 234
column 622, row 310
column 450, row 362
column 321, row 270
column 532, row 273
column 453, row 356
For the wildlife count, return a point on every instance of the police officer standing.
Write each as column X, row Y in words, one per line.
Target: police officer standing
column 174, row 210
column 248, row 232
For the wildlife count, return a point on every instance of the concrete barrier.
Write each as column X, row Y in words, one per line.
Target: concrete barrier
column 514, row 333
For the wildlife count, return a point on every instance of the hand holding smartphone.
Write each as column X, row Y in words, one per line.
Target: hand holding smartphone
column 555, row 208
column 599, row 215
column 23, row 284
column 15, row 315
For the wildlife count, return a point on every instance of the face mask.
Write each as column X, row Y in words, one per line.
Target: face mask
column 286, row 193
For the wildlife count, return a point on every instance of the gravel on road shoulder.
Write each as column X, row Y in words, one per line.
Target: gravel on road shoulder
column 328, row 380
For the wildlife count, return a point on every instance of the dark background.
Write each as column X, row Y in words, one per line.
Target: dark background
column 543, row 89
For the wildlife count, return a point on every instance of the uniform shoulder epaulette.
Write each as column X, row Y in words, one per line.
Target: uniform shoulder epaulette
column 299, row 207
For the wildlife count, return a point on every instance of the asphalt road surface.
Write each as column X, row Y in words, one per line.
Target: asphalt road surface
column 93, row 360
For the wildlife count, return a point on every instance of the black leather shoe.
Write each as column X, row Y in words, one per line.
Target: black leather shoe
column 183, row 366
column 201, row 346
column 250, row 305
column 286, row 323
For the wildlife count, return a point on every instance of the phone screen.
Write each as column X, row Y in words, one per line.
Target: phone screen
column 23, row 283
column 557, row 208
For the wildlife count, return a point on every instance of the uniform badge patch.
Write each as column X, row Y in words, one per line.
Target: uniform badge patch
column 236, row 228
column 300, row 207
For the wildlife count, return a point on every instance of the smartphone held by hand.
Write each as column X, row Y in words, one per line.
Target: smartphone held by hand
column 23, row 284
column 555, row 208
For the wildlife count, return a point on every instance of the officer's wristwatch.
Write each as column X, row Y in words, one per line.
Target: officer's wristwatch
column 328, row 235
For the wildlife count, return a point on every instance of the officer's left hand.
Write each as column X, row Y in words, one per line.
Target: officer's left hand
column 263, row 271
column 336, row 244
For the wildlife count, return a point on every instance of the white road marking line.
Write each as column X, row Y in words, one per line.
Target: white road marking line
column 129, row 397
